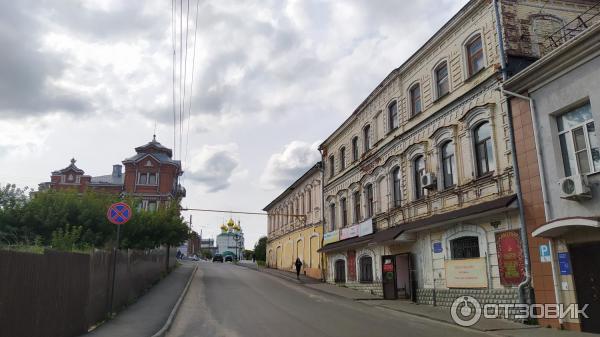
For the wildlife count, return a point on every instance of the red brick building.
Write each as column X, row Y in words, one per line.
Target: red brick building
column 151, row 174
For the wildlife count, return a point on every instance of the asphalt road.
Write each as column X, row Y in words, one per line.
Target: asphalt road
column 232, row 301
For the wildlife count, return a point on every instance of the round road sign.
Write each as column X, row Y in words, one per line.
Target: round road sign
column 119, row 213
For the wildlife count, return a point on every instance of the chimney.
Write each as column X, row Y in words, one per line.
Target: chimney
column 117, row 171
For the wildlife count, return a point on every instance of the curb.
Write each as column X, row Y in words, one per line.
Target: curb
column 163, row 331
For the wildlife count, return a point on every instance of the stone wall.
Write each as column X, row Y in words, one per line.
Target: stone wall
column 374, row 288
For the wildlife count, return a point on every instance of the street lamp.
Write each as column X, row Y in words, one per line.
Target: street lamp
column 237, row 238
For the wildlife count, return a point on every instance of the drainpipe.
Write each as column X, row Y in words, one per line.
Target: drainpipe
column 547, row 209
column 323, row 258
column 523, row 228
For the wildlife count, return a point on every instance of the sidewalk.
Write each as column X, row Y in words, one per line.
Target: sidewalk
column 150, row 312
column 280, row 273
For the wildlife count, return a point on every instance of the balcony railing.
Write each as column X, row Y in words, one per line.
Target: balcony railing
column 571, row 29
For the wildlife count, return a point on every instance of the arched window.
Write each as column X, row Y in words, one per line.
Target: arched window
column 366, row 269
column 381, row 195
column 448, row 164
column 309, row 196
column 355, row 149
column 396, row 186
column 474, row 50
column 442, row 83
column 332, row 217
column 342, row 158
column 356, row 197
column 418, row 172
column 393, row 115
column 331, row 166
column 483, row 148
column 367, row 137
column 340, row 271
column 344, row 212
column 415, row 99
column 369, row 200
column 465, row 247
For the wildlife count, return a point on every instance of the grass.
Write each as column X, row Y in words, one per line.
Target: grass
column 25, row 248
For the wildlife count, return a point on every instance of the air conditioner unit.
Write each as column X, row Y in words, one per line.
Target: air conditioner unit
column 428, row 180
column 575, row 188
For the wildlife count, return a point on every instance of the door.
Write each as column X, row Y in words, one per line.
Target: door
column 388, row 277
column 340, row 271
column 585, row 259
column 403, row 277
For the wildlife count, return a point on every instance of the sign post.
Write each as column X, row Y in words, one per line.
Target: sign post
column 118, row 213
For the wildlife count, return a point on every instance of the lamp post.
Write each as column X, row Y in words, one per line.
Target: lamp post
column 237, row 240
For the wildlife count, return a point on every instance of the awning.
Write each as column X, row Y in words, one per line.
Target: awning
column 558, row 227
column 349, row 243
column 446, row 218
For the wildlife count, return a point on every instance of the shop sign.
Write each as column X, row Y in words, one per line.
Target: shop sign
column 564, row 265
column 365, row 227
column 466, row 273
column 331, row 237
column 349, row 232
column 510, row 258
column 388, row 265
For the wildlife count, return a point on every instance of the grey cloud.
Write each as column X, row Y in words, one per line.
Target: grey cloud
column 285, row 167
column 214, row 168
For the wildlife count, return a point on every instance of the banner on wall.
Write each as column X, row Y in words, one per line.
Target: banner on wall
column 511, row 263
column 331, row 237
column 349, row 232
column 466, row 273
column 365, row 227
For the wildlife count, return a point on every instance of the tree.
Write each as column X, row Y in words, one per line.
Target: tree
column 12, row 201
column 260, row 249
column 247, row 254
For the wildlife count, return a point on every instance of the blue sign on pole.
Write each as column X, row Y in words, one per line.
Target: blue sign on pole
column 564, row 264
column 437, row 247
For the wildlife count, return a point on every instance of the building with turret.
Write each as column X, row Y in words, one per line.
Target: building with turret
column 231, row 240
column 151, row 175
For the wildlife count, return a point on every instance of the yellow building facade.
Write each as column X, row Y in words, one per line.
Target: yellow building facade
column 295, row 227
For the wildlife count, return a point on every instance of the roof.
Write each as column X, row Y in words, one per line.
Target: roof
column 499, row 204
column 154, row 145
column 295, row 184
column 71, row 167
column 108, row 179
column 158, row 156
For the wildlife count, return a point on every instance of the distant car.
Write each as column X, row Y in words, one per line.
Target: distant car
column 228, row 258
column 217, row 258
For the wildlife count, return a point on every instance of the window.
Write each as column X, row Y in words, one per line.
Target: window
column 331, row 166
column 152, row 206
column 465, row 247
column 369, row 199
column 342, row 158
column 367, row 137
column 366, row 269
column 344, row 209
column 152, row 179
column 475, row 55
column 578, row 141
column 356, row 198
column 340, row 271
column 309, row 196
column 396, row 186
column 448, row 164
column 393, row 115
column 442, row 83
column 143, row 179
column 419, row 171
column 355, row 149
column 415, row 99
column 332, row 216
column 483, row 148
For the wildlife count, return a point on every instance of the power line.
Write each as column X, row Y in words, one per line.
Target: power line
column 180, row 67
column 173, row 41
column 187, row 134
column 302, row 216
column 187, row 29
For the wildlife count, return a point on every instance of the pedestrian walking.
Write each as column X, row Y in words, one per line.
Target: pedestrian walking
column 298, row 267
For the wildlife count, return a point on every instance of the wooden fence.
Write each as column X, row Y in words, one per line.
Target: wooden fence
column 59, row 294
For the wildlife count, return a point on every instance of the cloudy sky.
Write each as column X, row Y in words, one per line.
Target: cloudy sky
column 271, row 79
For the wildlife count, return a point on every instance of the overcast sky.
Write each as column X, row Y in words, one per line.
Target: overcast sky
column 272, row 79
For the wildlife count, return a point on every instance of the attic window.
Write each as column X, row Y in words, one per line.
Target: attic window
column 70, row 178
column 149, row 163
